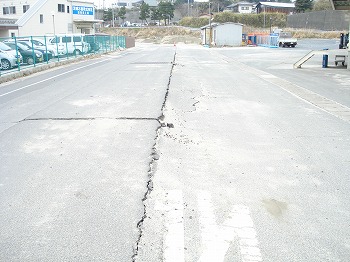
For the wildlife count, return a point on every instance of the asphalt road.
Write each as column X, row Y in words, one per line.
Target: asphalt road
column 177, row 153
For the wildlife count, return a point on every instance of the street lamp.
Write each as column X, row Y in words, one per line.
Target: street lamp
column 53, row 22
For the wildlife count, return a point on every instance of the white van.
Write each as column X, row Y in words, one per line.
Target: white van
column 39, row 43
column 71, row 44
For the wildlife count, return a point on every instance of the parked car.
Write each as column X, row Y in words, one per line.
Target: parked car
column 40, row 44
column 8, row 57
column 286, row 40
column 29, row 56
column 72, row 44
column 47, row 55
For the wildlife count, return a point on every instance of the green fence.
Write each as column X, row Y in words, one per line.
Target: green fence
column 17, row 53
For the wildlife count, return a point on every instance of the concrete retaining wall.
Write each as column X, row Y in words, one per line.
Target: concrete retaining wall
column 320, row 20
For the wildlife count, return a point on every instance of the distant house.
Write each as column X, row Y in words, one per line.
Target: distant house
column 227, row 34
column 275, row 7
column 242, row 7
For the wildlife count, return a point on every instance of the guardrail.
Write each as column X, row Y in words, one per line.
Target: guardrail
column 18, row 53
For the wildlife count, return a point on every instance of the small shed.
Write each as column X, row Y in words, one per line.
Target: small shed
column 226, row 34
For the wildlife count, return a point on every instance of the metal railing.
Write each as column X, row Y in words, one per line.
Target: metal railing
column 18, row 53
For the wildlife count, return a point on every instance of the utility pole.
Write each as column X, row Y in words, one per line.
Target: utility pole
column 209, row 25
column 188, row 8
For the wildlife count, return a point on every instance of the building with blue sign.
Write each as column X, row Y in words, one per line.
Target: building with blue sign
column 47, row 17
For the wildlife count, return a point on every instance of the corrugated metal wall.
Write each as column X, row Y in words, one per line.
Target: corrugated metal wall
column 321, row 20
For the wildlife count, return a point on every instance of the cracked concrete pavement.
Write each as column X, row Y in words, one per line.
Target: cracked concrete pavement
column 177, row 154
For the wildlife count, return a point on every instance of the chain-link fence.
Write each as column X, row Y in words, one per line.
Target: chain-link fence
column 17, row 53
column 320, row 20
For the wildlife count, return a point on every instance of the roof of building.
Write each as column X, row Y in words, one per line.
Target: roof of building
column 277, row 4
column 219, row 24
column 5, row 22
column 31, row 11
column 241, row 3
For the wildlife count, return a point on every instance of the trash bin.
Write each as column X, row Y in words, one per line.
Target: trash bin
column 325, row 60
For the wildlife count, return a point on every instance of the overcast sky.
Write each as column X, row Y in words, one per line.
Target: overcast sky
column 107, row 3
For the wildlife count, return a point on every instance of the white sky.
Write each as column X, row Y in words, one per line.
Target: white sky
column 107, row 3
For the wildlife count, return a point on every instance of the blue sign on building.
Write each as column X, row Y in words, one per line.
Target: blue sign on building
column 83, row 10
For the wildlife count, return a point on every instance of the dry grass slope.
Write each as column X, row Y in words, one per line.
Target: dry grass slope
column 159, row 35
column 177, row 34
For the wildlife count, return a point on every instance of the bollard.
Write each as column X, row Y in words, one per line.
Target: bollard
column 325, row 60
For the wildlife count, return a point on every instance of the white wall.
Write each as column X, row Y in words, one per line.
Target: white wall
column 228, row 34
column 19, row 7
column 245, row 9
column 63, row 21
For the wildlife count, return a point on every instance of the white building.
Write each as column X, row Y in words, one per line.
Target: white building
column 41, row 17
column 242, row 7
column 227, row 34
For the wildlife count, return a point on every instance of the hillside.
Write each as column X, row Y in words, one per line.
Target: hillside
column 158, row 35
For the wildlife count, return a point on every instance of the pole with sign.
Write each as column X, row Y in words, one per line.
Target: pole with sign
column 343, row 5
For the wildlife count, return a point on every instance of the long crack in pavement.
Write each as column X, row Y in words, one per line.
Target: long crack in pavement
column 153, row 162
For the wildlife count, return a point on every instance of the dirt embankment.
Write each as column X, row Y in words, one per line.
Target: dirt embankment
column 177, row 34
column 158, row 35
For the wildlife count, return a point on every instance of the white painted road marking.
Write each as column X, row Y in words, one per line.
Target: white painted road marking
column 215, row 239
column 241, row 221
column 174, row 246
column 47, row 79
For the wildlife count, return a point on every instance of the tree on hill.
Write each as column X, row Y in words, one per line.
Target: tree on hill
column 156, row 15
column 322, row 5
column 122, row 13
column 107, row 14
column 166, row 10
column 144, row 12
column 302, row 6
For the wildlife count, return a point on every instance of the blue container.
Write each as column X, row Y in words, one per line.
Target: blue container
column 325, row 60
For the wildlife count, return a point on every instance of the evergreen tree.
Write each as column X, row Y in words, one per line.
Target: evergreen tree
column 155, row 14
column 166, row 10
column 144, row 12
column 301, row 6
column 107, row 14
column 122, row 13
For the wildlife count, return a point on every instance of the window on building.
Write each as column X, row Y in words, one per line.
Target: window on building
column 41, row 18
column 9, row 10
column 68, row 9
column 25, row 8
column 12, row 10
column 61, row 8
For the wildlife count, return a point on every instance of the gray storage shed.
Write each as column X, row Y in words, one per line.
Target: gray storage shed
column 226, row 34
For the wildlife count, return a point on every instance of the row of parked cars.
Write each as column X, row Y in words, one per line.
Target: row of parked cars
column 35, row 50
